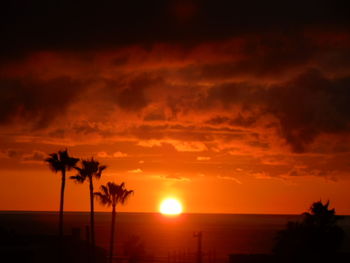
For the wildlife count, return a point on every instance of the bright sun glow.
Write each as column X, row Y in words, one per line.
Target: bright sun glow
column 170, row 206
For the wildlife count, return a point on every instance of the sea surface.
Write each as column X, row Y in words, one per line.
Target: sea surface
column 162, row 236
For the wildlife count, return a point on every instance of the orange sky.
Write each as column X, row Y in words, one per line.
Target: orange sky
column 242, row 121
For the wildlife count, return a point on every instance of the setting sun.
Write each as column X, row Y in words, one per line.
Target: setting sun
column 170, row 206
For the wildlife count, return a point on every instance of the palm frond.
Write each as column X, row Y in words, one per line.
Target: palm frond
column 100, row 169
column 112, row 194
column 104, row 199
column 91, row 168
column 78, row 178
column 105, row 190
column 117, row 192
column 61, row 161
column 71, row 163
column 54, row 163
column 125, row 196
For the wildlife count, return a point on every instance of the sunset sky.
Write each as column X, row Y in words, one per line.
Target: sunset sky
column 231, row 107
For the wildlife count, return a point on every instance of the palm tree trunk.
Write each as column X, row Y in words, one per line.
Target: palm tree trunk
column 60, row 223
column 92, row 221
column 60, row 220
column 112, row 235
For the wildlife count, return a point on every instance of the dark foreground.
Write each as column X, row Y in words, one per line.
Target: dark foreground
column 269, row 258
column 47, row 248
column 146, row 238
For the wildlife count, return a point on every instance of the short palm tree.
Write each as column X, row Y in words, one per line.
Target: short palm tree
column 61, row 162
column 90, row 169
column 111, row 195
column 315, row 238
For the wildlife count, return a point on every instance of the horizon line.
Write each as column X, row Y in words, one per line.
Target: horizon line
column 144, row 212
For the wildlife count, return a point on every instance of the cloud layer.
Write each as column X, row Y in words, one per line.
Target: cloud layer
column 208, row 80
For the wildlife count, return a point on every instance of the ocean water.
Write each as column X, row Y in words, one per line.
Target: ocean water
column 222, row 233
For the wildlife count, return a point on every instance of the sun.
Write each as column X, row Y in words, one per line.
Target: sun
column 170, row 206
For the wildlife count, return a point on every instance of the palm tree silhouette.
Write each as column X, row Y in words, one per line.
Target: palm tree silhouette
column 111, row 195
column 316, row 238
column 61, row 162
column 90, row 169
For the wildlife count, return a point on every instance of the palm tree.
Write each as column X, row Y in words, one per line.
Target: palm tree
column 90, row 169
column 314, row 238
column 61, row 162
column 111, row 195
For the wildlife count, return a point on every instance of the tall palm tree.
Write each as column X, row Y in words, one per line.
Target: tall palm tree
column 111, row 195
column 61, row 162
column 90, row 169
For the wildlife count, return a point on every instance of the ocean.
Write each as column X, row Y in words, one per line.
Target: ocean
column 161, row 236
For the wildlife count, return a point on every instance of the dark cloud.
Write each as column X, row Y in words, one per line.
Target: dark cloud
column 130, row 92
column 239, row 120
column 155, row 115
column 232, row 93
column 14, row 153
column 34, row 101
column 132, row 98
column 261, row 55
column 57, row 133
column 218, row 120
column 23, row 156
column 305, row 107
column 86, row 128
column 271, row 56
column 186, row 135
column 310, row 105
column 34, row 157
column 191, row 63
column 64, row 25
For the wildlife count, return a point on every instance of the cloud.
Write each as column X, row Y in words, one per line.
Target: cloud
column 162, row 21
column 254, row 107
column 135, row 171
column 175, row 177
column 34, row 157
column 21, row 156
column 155, row 115
column 262, row 175
column 36, row 102
column 309, row 105
column 11, row 153
column 304, row 107
column 133, row 97
column 203, row 158
column 179, row 145
column 119, row 155
column 238, row 121
column 240, row 92
column 189, row 146
column 230, row 178
column 114, row 155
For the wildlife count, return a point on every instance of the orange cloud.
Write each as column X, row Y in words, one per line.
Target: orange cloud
column 241, row 108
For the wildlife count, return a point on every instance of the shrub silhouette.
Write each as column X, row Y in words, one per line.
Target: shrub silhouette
column 317, row 237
